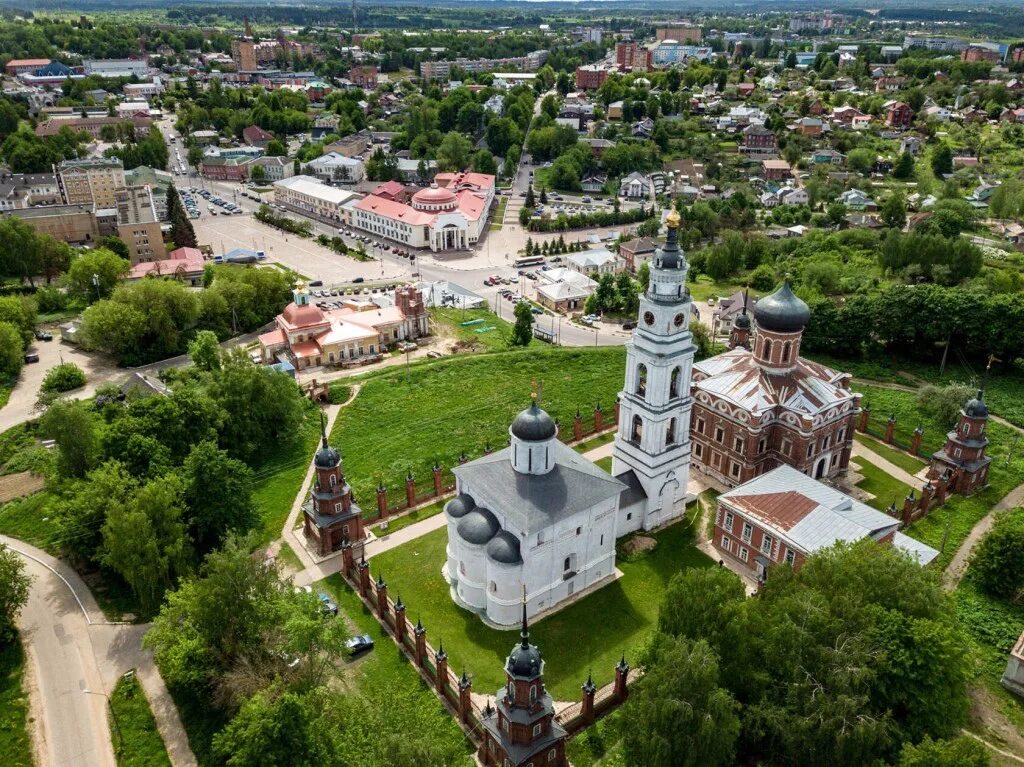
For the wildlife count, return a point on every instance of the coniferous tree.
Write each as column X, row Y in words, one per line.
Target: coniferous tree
column 182, row 233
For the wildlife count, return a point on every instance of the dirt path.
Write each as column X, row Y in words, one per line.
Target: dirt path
column 958, row 564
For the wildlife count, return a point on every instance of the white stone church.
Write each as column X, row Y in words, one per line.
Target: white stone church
column 540, row 515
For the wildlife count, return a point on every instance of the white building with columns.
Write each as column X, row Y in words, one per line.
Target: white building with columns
column 652, row 446
column 450, row 214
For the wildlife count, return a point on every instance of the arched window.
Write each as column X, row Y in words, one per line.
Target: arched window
column 673, row 386
column 533, row 693
column 785, row 352
column 967, row 428
column 333, row 480
column 638, row 429
column 493, row 587
column 767, row 349
column 670, row 432
column 641, row 380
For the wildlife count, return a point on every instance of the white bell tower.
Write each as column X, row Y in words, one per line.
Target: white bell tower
column 653, row 437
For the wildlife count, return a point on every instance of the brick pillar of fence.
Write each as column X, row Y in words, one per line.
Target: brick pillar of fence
column 892, row 511
column 364, row 578
column 890, row 427
column 598, row 418
column 589, row 691
column 862, row 422
column 410, row 490
column 941, row 485
column 382, row 501
column 465, row 699
column 382, row 597
column 621, row 677
column 400, row 626
column 463, row 458
column 927, row 492
column 577, row 426
column 908, row 508
column 420, row 634
column 441, row 664
column 347, row 561
column 915, row 441
column 438, row 476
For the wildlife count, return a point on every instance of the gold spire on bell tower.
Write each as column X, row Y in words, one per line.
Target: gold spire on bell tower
column 672, row 220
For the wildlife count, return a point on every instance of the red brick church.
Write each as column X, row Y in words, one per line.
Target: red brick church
column 760, row 404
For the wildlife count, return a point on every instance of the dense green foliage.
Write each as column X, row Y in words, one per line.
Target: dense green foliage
column 14, row 585
column 842, row 661
column 996, row 565
column 63, row 377
column 136, row 739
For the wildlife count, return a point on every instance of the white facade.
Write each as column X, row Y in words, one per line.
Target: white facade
column 305, row 194
column 535, row 515
column 653, row 438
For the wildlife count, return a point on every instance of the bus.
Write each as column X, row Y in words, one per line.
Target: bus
column 521, row 263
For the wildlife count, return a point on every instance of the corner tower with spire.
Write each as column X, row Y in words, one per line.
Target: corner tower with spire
column 330, row 515
column 652, row 445
column 962, row 459
column 521, row 729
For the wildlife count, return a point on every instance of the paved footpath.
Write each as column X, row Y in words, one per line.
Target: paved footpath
column 72, row 648
column 887, row 466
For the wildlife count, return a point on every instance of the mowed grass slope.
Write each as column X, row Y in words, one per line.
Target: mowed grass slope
column 404, row 421
column 137, row 742
column 592, row 634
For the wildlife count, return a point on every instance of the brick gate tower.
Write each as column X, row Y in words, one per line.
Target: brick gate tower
column 330, row 516
column 964, row 451
column 521, row 729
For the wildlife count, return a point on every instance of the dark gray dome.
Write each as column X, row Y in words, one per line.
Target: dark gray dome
column 478, row 527
column 976, row 408
column 459, row 506
column 524, row 661
column 504, row 548
column 782, row 311
column 534, row 425
column 327, row 457
column 742, row 320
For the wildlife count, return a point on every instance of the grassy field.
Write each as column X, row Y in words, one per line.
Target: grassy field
column 595, row 442
column 27, row 519
column 703, row 287
column 279, row 477
column 15, row 743
column 605, row 463
column 885, row 489
column 413, row 517
column 448, row 322
column 905, row 461
column 600, row 745
column 590, row 634
column 886, row 402
column 137, row 742
column 460, row 404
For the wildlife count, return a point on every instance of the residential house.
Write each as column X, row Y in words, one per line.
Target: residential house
column 827, row 157
column 636, row 252
column 564, row 290
column 855, row 199
column 898, row 114
column 758, row 142
column 775, row 170
column 274, row 168
column 810, row 126
column 635, row 186
column 334, row 168
column 184, row 264
column 643, row 128
column 595, row 263
column 594, row 183
column 254, row 135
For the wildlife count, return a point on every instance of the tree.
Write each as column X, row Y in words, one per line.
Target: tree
column 861, row 160
column 276, row 148
column 680, row 716
column 943, row 403
column 483, row 162
column 453, row 152
column 531, row 201
column 643, row 276
column 942, row 160
column 182, row 233
column 14, row 586
column 522, row 331
column 957, row 752
column 894, row 211
column 904, row 167
column 144, row 540
column 106, row 266
column 996, row 564
column 72, row 426
column 63, row 377
column 628, row 298
column 204, row 351
column 19, row 250
column 12, row 350
column 276, row 729
column 217, row 493
column 524, row 216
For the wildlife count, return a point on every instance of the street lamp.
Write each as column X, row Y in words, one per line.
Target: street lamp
column 113, row 713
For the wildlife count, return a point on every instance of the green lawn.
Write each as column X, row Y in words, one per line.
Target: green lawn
column 595, row 442
column 137, row 742
column 905, row 461
column 413, row 517
column 605, row 463
column 600, row 745
column 15, row 743
column 449, row 322
column 27, row 519
column 287, row 557
column 885, row 489
column 590, row 634
column 399, row 424
column 886, row 402
column 703, row 287
column 279, row 476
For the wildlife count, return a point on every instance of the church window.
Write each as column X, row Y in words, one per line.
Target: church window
column 700, row 425
column 810, row 450
column 579, row 530
column 719, row 434
column 337, row 508
column 698, row 449
column 825, row 442
column 744, row 554
column 734, row 469
column 760, row 446
column 533, row 693
column 785, row 352
column 786, row 445
column 529, row 460
column 956, row 452
column 841, row 434
column 967, row 428
column 629, row 516
column 673, row 387
column 333, row 480
column 537, row 728
column 602, row 541
column 565, row 564
column 729, row 519
column 552, row 755
column 344, row 532
column 726, row 543
column 670, row 432
column 737, row 445
column 493, row 587
column 748, row 532
column 790, row 556
column 641, row 380
column 767, row 349
column 638, row 429
column 766, row 544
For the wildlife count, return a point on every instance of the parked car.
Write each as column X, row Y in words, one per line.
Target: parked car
column 359, row 279
column 31, row 357
column 358, row 644
column 316, row 283
column 42, row 335
column 327, row 605
column 434, row 354
column 629, row 325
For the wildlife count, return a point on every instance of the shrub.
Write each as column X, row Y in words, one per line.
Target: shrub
column 63, row 377
column 996, row 566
